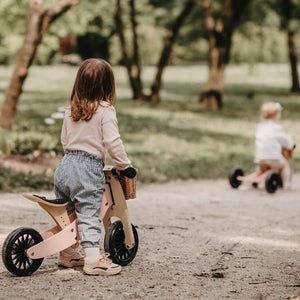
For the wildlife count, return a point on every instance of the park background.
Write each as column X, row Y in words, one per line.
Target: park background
column 191, row 77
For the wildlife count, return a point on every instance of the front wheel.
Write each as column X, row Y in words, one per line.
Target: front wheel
column 14, row 251
column 273, row 181
column 114, row 244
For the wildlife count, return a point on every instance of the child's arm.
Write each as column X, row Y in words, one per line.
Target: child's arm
column 63, row 136
column 286, row 141
column 112, row 139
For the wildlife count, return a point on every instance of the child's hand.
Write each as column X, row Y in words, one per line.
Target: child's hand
column 130, row 172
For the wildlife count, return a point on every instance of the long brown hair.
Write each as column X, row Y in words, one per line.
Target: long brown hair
column 94, row 83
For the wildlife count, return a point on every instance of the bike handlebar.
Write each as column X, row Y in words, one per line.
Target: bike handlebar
column 130, row 172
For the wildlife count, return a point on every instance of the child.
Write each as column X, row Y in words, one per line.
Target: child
column 89, row 130
column 270, row 140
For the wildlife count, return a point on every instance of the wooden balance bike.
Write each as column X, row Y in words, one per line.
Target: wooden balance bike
column 265, row 174
column 24, row 248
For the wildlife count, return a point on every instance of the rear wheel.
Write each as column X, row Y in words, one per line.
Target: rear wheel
column 14, row 251
column 273, row 181
column 232, row 176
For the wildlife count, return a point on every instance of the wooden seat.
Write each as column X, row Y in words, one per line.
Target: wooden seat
column 44, row 200
column 263, row 167
column 55, row 208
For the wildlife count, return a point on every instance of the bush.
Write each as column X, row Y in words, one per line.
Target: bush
column 10, row 180
column 25, row 143
column 6, row 143
column 259, row 45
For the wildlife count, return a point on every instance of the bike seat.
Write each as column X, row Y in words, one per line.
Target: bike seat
column 262, row 165
column 50, row 202
column 53, row 201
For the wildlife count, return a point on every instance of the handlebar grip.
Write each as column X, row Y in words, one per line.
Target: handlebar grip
column 130, row 172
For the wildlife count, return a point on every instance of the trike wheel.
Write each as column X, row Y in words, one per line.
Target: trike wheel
column 273, row 181
column 14, row 251
column 233, row 174
column 114, row 243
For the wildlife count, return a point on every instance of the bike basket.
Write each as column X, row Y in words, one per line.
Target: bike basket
column 129, row 187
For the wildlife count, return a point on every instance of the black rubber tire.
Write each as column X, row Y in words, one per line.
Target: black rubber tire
column 273, row 181
column 114, row 244
column 14, row 251
column 232, row 176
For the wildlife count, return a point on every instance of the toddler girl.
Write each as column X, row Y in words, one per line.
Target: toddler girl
column 89, row 131
column 270, row 140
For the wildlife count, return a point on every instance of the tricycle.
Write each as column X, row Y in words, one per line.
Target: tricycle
column 265, row 174
column 25, row 248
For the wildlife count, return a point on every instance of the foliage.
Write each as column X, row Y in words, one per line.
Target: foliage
column 261, row 36
column 260, row 27
column 11, row 180
column 261, row 45
column 27, row 143
column 12, row 19
column 6, row 144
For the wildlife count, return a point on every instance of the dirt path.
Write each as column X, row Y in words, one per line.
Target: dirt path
column 198, row 240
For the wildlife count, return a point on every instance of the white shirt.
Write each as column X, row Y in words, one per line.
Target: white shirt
column 97, row 136
column 270, row 138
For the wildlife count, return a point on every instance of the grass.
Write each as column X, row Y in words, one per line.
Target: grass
column 176, row 139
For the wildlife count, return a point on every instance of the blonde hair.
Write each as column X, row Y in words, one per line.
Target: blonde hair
column 94, row 83
column 271, row 110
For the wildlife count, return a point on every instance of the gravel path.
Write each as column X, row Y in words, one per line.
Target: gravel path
column 198, row 240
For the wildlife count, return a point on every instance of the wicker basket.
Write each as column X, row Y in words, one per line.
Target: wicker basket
column 129, row 187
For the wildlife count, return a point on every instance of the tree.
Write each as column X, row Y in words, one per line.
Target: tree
column 167, row 49
column 133, row 63
column 288, row 8
column 81, row 19
column 219, row 33
column 11, row 24
column 282, row 16
column 37, row 23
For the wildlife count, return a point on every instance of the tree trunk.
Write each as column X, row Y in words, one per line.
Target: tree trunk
column 293, row 62
column 23, row 61
column 133, row 66
column 288, row 8
column 36, row 25
column 219, row 34
column 136, row 67
column 167, row 50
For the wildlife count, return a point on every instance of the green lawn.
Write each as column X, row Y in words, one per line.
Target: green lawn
column 176, row 139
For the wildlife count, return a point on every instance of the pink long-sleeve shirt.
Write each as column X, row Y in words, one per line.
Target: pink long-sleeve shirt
column 96, row 136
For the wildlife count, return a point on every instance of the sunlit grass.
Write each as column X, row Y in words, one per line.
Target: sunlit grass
column 176, row 139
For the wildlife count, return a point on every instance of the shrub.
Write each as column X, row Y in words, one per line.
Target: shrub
column 27, row 142
column 11, row 180
column 6, row 143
